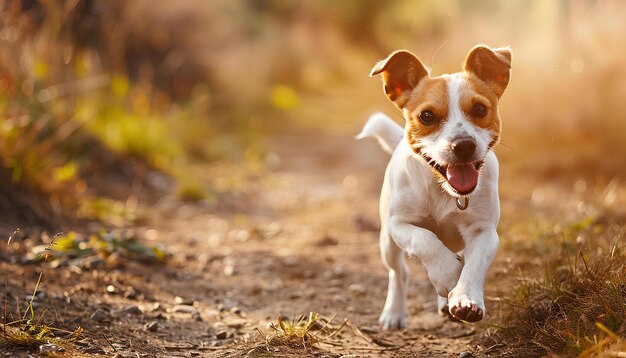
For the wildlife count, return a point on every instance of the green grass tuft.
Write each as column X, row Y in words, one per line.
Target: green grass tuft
column 30, row 332
column 295, row 335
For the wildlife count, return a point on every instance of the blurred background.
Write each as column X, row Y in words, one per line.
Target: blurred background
column 100, row 100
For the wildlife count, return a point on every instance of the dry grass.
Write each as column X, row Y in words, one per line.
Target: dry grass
column 578, row 309
column 292, row 337
column 578, row 306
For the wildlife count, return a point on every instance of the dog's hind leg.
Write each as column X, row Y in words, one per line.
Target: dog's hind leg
column 394, row 312
column 442, row 305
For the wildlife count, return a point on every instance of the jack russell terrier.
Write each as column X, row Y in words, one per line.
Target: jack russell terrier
column 441, row 160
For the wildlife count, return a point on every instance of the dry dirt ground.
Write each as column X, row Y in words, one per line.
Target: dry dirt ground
column 298, row 237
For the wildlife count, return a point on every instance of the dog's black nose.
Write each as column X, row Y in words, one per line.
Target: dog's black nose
column 463, row 148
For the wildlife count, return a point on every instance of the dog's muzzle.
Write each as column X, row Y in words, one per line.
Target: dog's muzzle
column 463, row 175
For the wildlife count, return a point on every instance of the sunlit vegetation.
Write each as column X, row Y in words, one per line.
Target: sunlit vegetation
column 143, row 93
column 110, row 246
column 295, row 335
column 573, row 301
column 31, row 330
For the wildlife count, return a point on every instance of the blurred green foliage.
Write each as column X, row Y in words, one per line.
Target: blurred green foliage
column 105, row 244
column 177, row 83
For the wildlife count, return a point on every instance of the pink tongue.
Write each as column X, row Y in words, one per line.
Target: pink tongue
column 462, row 177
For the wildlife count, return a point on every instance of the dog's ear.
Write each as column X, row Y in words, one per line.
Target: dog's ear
column 492, row 66
column 401, row 71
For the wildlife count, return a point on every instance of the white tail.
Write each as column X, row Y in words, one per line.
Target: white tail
column 384, row 129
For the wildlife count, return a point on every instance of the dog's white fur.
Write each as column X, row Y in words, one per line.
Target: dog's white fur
column 419, row 218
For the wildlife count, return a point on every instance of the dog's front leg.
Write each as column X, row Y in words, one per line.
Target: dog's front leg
column 466, row 299
column 443, row 266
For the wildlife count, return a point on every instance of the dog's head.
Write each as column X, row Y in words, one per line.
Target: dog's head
column 452, row 121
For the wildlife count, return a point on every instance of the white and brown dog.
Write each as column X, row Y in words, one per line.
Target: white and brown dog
column 441, row 159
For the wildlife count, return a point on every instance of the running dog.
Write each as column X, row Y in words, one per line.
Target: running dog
column 439, row 201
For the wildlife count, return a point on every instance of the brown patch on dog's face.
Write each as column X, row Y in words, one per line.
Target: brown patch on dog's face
column 478, row 93
column 430, row 95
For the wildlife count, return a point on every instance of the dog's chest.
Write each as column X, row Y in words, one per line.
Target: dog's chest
column 447, row 230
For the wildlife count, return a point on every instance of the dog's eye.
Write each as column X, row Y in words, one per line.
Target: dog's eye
column 427, row 117
column 479, row 110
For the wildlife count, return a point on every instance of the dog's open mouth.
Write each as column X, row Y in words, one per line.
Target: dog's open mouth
column 462, row 177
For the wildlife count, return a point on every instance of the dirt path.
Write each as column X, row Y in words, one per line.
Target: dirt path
column 301, row 238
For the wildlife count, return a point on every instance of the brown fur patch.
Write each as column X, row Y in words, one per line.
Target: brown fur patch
column 401, row 72
column 431, row 94
column 493, row 66
column 477, row 91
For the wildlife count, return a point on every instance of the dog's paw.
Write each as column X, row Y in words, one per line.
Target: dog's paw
column 392, row 320
column 463, row 308
column 445, row 312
